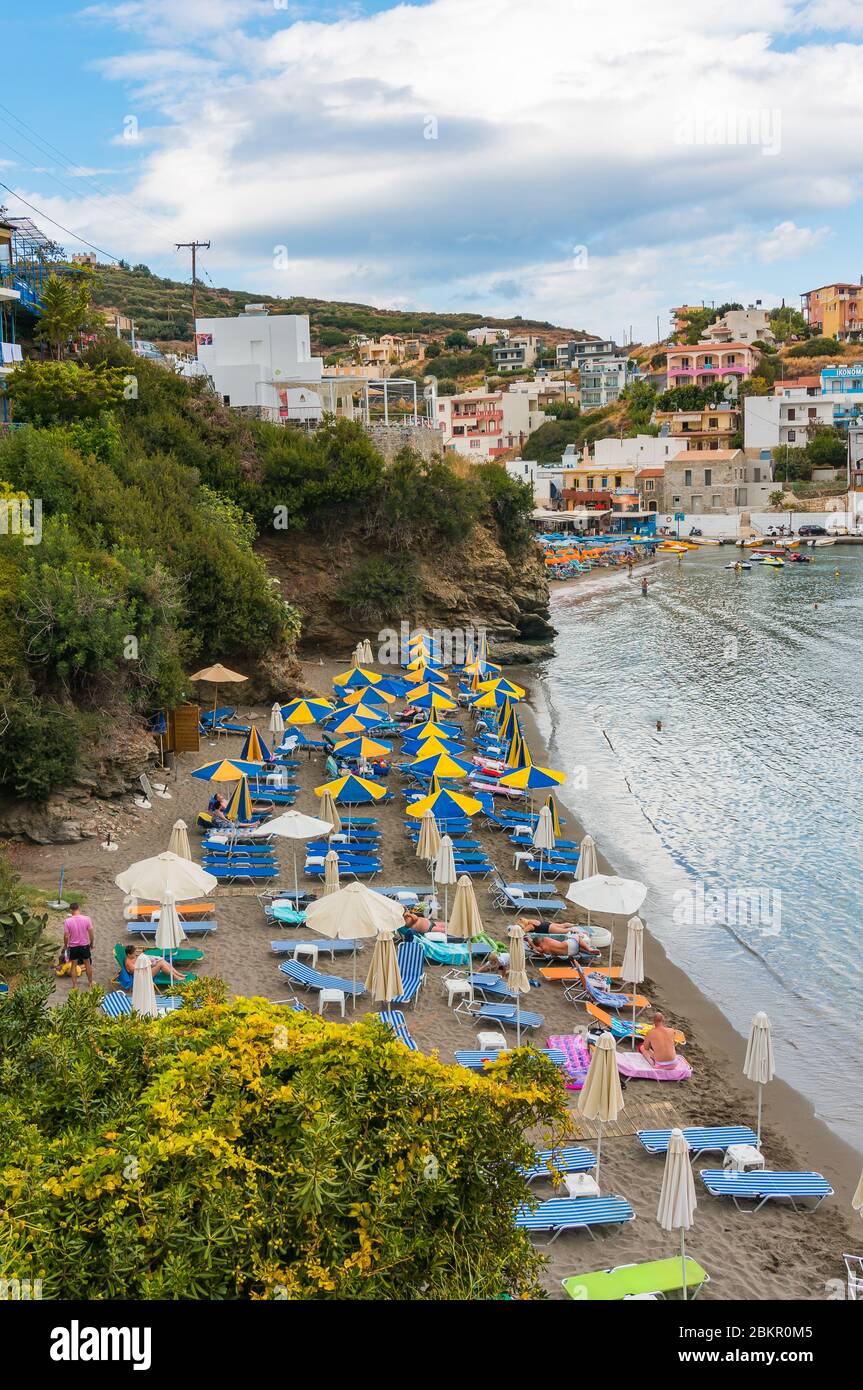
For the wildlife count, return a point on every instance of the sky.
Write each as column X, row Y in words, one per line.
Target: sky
column 589, row 165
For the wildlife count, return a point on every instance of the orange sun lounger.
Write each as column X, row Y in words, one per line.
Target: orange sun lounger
column 144, row 911
column 640, row 1028
column 569, row 974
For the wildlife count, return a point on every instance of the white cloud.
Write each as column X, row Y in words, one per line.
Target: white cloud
column 788, row 242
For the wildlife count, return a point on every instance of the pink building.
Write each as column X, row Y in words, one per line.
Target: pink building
column 708, row 364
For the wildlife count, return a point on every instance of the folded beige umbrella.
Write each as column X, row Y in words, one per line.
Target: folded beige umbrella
column 179, row 841
column 428, row 843
column 444, row 871
column 354, row 913
column 601, row 1098
column 329, row 812
column 632, row 970
column 586, row 858
column 677, row 1200
column 465, row 922
column 277, row 723
column 169, row 929
column 543, row 836
column 758, row 1063
column 331, row 872
column 218, row 675
column 857, row 1199
column 383, row 978
column 516, row 979
column 368, row 654
column 143, row 989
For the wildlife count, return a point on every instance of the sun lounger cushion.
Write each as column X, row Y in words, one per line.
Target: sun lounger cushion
column 626, row 1281
column 573, row 1158
column 577, row 1054
column 701, row 1139
column 302, row 974
column 190, row 928
column 767, row 1186
column 505, row 1013
column 574, row 1214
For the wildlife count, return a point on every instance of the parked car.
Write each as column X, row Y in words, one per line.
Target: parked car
column 812, row 531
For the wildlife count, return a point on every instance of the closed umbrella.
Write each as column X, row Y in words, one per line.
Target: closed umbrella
column 179, row 841
column 240, row 805
column 617, row 897
column 169, row 929
column 758, row 1064
column 586, row 859
column 143, row 989
column 293, row 825
column 277, row 723
column 354, row 913
column 368, row 654
column 165, row 873
column 428, row 842
column 677, row 1201
column 383, row 978
column 331, row 872
column 444, row 871
column 632, row 970
column 330, row 813
column 857, row 1199
column 218, row 675
column 254, row 748
column 543, row 835
column 601, row 1097
column 465, row 924
column 516, row 979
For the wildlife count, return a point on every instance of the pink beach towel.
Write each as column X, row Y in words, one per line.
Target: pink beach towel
column 636, row 1066
column 577, row 1058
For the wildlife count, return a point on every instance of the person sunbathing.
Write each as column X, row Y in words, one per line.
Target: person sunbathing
column 658, row 1043
column 156, row 963
column 560, row 936
column 417, row 925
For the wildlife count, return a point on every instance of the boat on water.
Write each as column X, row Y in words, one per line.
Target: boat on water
column 703, row 540
column 825, row 540
column 739, row 565
column 773, row 562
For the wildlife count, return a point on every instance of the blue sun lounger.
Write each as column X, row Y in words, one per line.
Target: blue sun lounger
column 574, row 1214
column 491, row 987
column 190, row 928
column 505, row 1013
column 228, row 872
column 475, row 1060
column 287, row 946
column 573, row 1158
column 523, row 902
column 220, row 848
column 411, row 963
column 395, row 1021
column 797, row 1188
column 701, row 1139
column 352, row 868
column 313, row 979
column 116, row 1004
column 402, row 891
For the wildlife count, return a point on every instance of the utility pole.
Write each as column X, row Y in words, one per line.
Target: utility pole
column 194, row 247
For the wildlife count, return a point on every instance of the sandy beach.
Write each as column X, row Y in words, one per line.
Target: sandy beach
column 792, row 1255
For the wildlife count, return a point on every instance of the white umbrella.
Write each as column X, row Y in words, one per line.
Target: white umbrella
column 383, row 978
column 444, row 870
column 277, row 723
column 543, row 835
column 601, row 1097
column 632, row 970
column 169, row 929
column 618, row 897
column 857, row 1199
column 293, row 825
column 354, row 913
column 329, row 812
column 677, row 1201
column 165, row 873
column 331, row 872
column 368, row 654
column 143, row 989
column 517, row 980
column 586, row 858
column 179, row 841
column 758, row 1064
column 428, row 842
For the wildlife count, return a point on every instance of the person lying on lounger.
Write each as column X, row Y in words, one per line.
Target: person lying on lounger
column 565, row 940
column 658, row 1044
column 217, row 811
column 417, row 925
column 156, row 964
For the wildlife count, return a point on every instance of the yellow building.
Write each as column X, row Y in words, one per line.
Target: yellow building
column 835, row 311
column 714, row 427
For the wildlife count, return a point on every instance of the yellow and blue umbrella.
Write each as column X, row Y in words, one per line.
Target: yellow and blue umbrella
column 254, row 749
column 420, row 674
column 307, row 711
column 501, row 685
column 240, row 804
column 530, row 777
column 442, row 765
column 362, row 748
column 432, row 697
column 226, row 770
column 369, row 694
column 356, row 676
column 444, row 805
column 555, row 817
column 351, row 790
column 428, row 747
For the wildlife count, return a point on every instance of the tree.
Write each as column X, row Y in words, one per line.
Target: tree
column 25, row 951
column 789, row 463
column 682, row 398
column 48, row 393
column 457, row 339
column 66, row 309
column 447, row 387
column 787, row 323
column 826, row 447
column 816, row 347
column 433, row 350
column 277, row 1156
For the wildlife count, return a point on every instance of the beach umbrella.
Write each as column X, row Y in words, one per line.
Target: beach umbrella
column 179, row 841
column 601, row 1097
column 543, row 835
column 331, row 872
column 758, row 1064
column 383, row 978
column 254, row 749
column 442, row 765
column 586, row 859
column 632, row 970
column 428, row 842
column 277, row 723
column 368, row 654
column 555, row 819
column 361, row 747
column 392, row 685
column 501, row 686
column 355, row 721
column 677, row 1201
column 446, row 805
column 857, row 1199
column 531, row 777
column 226, row 770
column 330, row 813
column 432, row 728
column 356, row 677
column 354, row 913
column 356, row 655
column 444, row 870
column 165, row 873
column 169, row 929
column 351, row 790
column 293, row 825
column 218, row 675
column 369, row 695
column 240, row 804
column 516, row 979
column 616, row 897
column 309, row 711
column 429, row 747
column 143, row 989
column 465, row 923
column 431, row 697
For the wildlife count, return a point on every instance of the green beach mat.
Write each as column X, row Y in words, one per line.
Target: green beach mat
column 655, row 1276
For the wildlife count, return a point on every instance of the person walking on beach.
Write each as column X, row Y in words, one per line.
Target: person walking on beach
column 644, row 587
column 629, row 567
column 78, row 942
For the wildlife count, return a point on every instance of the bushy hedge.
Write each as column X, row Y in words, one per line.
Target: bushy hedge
column 239, row 1151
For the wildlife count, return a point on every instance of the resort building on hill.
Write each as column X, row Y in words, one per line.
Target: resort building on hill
column 710, row 364
column 485, row 424
column 252, row 357
column 679, row 322
column 488, row 337
column 787, row 419
column 725, row 482
column 601, row 382
column 712, row 427
column 835, row 311
column 387, row 350
column 741, row 326
column 516, row 354
column 581, row 350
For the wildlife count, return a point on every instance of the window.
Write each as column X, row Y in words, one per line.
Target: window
column 756, row 475
column 590, row 485
column 813, row 413
column 696, row 502
column 792, row 435
column 687, row 478
column 618, row 480
column 226, row 400
column 474, row 443
column 708, row 477
column 605, row 482
column 442, row 409
column 648, row 485
column 716, row 501
column 791, row 413
column 712, row 422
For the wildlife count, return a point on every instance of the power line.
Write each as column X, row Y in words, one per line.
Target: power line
column 54, row 223
column 193, row 246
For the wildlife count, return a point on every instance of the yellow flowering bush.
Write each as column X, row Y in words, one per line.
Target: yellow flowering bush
column 245, row 1151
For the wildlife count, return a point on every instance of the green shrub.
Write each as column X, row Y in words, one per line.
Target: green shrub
column 40, row 747
column 379, row 590
column 816, row 347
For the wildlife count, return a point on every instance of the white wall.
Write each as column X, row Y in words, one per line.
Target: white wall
column 644, row 451
column 252, row 355
column 718, row 525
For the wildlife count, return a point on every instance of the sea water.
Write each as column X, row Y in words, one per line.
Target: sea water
column 743, row 814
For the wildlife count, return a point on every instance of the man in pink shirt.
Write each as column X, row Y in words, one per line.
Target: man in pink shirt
column 78, row 940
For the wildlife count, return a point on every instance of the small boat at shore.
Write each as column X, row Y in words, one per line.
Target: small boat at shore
column 703, row 540
column 825, row 540
column 739, row 565
column 773, row 562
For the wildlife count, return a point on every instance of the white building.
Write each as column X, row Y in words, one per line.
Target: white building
column 258, row 359
column 488, row 337
column 601, row 382
column 642, row 451
column 741, row 326
column 484, row 424
column 769, row 421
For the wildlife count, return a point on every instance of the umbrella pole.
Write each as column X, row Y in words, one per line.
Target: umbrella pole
column 683, row 1260
column 540, row 867
column 598, row 1151
column 296, row 880
column 354, row 998
column 517, row 1019
column 633, row 1022
column 760, row 1091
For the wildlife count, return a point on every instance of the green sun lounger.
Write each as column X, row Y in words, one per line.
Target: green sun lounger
column 625, row 1281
